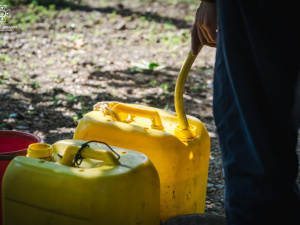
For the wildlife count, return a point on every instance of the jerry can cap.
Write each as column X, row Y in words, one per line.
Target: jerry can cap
column 39, row 150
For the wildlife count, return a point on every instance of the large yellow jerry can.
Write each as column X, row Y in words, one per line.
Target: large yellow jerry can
column 178, row 147
column 102, row 190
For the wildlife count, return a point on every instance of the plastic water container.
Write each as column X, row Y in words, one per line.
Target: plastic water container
column 74, row 182
column 182, row 165
column 178, row 145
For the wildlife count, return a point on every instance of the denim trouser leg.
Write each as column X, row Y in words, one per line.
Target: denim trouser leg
column 255, row 76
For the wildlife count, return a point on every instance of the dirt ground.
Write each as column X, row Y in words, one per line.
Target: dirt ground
column 57, row 62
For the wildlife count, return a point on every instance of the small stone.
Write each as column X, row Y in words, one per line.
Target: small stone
column 75, row 69
column 209, row 185
column 22, row 127
column 220, row 186
column 10, row 123
column 59, row 102
column 17, row 116
column 30, row 107
column 120, row 26
column 209, row 86
column 65, row 103
column 212, row 135
column 211, row 190
column 203, row 95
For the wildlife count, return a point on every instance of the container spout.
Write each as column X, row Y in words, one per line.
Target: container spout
column 39, row 151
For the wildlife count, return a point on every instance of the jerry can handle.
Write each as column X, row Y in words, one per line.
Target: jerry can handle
column 145, row 113
column 75, row 153
column 179, row 90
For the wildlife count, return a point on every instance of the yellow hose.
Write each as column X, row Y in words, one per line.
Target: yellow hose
column 179, row 89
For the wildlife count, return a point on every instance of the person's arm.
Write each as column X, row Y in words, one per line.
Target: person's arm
column 204, row 30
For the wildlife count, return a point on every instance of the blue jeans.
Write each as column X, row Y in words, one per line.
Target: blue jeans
column 257, row 61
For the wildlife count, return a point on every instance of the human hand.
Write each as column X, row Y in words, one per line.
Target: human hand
column 204, row 30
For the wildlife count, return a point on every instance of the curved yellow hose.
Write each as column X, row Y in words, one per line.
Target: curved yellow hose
column 179, row 89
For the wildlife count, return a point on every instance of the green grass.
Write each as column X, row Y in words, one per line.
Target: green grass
column 36, row 85
column 75, row 36
column 6, row 75
column 34, row 14
column 75, row 60
column 5, row 58
column 152, row 82
column 35, row 2
column 165, row 87
column 146, row 66
column 71, row 98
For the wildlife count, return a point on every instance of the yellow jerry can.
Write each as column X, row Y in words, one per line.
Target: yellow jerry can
column 76, row 182
column 178, row 146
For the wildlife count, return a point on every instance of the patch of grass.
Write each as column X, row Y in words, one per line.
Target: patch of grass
column 144, row 22
column 5, row 58
column 34, row 14
column 25, row 78
column 85, row 108
column 165, row 87
column 60, row 35
column 189, row 18
column 32, row 65
column 153, row 82
column 67, row 9
column 146, row 66
column 54, row 78
column 114, row 93
column 119, row 42
column 114, row 12
column 6, row 75
column 75, row 36
column 55, row 100
column 169, row 27
column 75, row 118
column 75, row 60
column 172, row 40
column 22, row 66
column 38, row 2
column 71, row 98
column 36, row 85
column 199, row 87
column 49, row 62
column 99, row 33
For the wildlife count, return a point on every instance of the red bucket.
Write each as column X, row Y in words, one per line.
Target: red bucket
column 13, row 143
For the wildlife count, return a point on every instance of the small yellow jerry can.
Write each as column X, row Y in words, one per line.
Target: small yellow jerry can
column 178, row 146
column 76, row 182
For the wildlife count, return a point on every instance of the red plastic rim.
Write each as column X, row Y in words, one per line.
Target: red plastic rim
column 14, row 142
